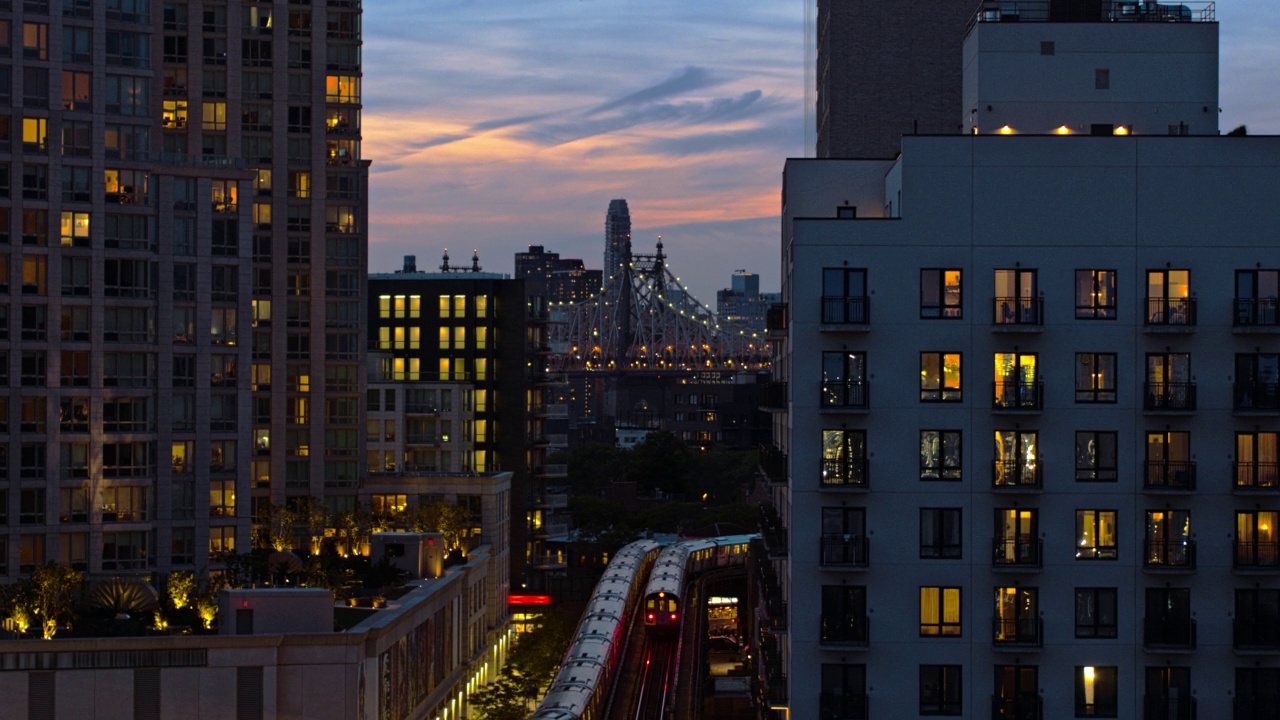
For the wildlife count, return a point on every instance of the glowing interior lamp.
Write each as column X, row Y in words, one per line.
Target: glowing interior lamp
column 1120, row 130
column 1005, row 130
column 1088, row 685
column 1063, row 130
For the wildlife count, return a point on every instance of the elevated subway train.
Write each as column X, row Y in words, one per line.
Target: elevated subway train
column 675, row 566
column 580, row 691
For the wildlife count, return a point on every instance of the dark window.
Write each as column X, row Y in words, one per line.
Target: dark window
column 843, row 695
column 844, row 296
column 1095, row 377
column 1169, row 464
column 1168, row 621
column 1017, row 619
column 1169, row 385
column 1102, row 79
column 940, row 293
column 1257, row 619
column 940, row 455
column 1257, row 297
column 941, row 689
column 1096, row 294
column 1257, row 693
column 844, row 614
column 1168, row 694
column 940, row 533
column 1168, row 541
column 844, row 383
column 844, row 536
column 1096, row 456
column 1017, row 692
column 1257, row 383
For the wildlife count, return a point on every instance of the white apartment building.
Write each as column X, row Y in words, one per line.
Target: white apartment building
column 1030, row 436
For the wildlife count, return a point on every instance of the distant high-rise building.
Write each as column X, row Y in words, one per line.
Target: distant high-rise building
column 546, row 275
column 887, row 69
column 186, row 334
column 617, row 237
column 741, row 303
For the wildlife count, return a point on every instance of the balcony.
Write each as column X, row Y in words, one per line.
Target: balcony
column 1170, row 314
column 1169, row 476
column 1022, row 706
column 1256, row 397
column 840, row 473
column 1256, row 315
column 1164, row 634
column 1256, row 476
column 773, row 530
column 1251, row 555
column 775, row 321
column 840, row 395
column 773, row 396
column 773, row 464
column 1156, row 707
column 847, row 705
column 1018, row 315
column 1169, row 397
column 844, row 551
column 1177, row 554
column 1017, row 396
column 1016, row 474
column 1256, row 635
column 845, row 631
column 841, row 312
column 1017, row 633
column 1017, row 554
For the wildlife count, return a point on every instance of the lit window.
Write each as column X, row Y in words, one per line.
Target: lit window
column 1016, row 461
column 940, row 293
column 1016, row 302
column 1096, row 535
column 940, row 455
column 173, row 114
column 940, row 611
column 214, row 116
column 1096, row 691
column 1169, row 300
column 1016, row 385
column 1095, row 377
column 939, row 377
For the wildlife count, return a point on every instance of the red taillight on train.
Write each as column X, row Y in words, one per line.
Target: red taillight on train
column 673, row 617
column 650, row 618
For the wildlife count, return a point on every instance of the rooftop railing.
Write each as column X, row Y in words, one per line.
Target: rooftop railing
column 1098, row 12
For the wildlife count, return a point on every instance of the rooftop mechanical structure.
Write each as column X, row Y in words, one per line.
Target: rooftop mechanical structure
column 644, row 319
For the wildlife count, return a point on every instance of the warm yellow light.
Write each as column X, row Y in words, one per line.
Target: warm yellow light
column 1063, row 130
column 1006, row 130
column 1121, row 130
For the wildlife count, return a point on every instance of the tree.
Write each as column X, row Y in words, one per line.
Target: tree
column 503, row 699
column 314, row 514
column 19, row 603
column 446, row 518
column 55, row 588
column 181, row 585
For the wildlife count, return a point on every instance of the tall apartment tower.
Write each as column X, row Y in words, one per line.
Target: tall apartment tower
column 179, row 151
column 1026, row 460
column 884, row 70
column 617, row 238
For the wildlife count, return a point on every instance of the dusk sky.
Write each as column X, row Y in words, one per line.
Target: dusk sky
column 498, row 124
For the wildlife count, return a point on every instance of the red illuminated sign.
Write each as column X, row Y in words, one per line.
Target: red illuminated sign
column 528, row 599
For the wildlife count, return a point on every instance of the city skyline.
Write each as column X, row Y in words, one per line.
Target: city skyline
column 503, row 125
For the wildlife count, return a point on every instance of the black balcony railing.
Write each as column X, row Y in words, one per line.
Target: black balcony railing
column 845, row 630
column 1020, row 706
column 1171, row 311
column 847, row 394
column 1174, row 396
column 1016, row 311
column 1173, row 633
column 1256, row 396
column 1254, row 707
column 1177, row 553
column 1255, row 555
column 1016, row 473
column 1017, row 552
column 1022, row 632
column 1170, row 475
column 1256, row 476
column 841, row 472
column 1014, row 395
column 1102, row 709
column 773, row 463
column 846, row 310
column 773, row 530
column 844, row 551
column 1256, row 633
column 1257, row 312
column 773, row 395
column 1157, row 707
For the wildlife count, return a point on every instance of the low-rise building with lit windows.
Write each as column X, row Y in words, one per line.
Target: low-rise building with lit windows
column 1026, row 465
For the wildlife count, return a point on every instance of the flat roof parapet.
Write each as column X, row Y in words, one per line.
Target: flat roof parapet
column 1095, row 11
